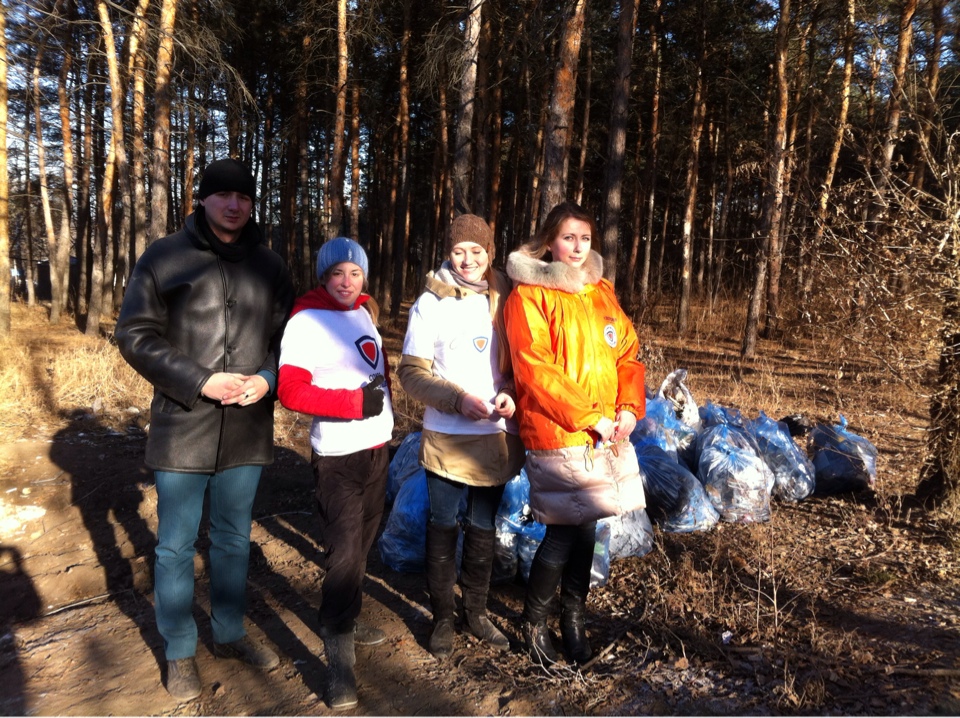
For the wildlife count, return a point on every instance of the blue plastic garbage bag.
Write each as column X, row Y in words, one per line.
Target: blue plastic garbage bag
column 664, row 477
column 516, row 531
column 509, row 523
column 844, row 461
column 404, row 464
column 660, row 427
column 403, row 542
column 713, row 414
column 793, row 472
column 737, row 481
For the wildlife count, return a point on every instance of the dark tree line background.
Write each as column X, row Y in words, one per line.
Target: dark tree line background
column 797, row 158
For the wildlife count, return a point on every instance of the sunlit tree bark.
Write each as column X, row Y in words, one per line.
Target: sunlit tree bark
column 4, row 180
column 560, row 110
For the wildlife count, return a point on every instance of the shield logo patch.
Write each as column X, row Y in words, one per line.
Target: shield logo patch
column 480, row 343
column 367, row 346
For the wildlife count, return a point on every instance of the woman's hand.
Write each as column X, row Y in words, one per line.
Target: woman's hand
column 473, row 407
column 604, row 428
column 626, row 423
column 251, row 390
column 504, row 405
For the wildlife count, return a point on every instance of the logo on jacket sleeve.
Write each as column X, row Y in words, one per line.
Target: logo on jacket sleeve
column 480, row 343
column 369, row 350
column 610, row 334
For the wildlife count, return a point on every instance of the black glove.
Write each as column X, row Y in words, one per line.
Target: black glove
column 373, row 397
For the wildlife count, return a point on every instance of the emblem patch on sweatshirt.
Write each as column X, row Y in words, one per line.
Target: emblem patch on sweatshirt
column 480, row 343
column 369, row 350
column 610, row 334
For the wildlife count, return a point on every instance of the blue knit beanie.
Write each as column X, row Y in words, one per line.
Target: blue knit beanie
column 341, row 249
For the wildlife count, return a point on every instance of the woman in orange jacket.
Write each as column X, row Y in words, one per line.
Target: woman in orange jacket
column 580, row 391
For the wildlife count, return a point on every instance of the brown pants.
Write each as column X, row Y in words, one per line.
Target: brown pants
column 350, row 495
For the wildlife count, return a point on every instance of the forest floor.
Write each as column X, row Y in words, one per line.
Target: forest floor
column 845, row 605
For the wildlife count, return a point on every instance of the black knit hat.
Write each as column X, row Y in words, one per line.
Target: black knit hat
column 227, row 175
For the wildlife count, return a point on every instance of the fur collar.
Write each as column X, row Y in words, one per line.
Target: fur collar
column 523, row 268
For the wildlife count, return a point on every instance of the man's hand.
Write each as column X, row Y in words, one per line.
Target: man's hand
column 222, row 385
column 251, row 390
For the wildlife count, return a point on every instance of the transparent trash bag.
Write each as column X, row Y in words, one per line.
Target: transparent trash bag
column 793, row 472
column 737, row 481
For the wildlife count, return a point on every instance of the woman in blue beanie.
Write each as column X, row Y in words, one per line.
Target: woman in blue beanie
column 332, row 366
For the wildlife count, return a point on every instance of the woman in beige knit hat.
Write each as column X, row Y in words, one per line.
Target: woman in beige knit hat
column 455, row 362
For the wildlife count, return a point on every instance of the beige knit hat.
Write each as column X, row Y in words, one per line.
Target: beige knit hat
column 470, row 228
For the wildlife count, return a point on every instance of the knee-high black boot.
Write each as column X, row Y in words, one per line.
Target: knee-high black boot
column 574, row 586
column 475, row 569
column 541, row 588
column 441, row 578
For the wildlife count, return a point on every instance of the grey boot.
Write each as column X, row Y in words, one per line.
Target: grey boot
column 475, row 570
column 441, row 577
column 341, row 681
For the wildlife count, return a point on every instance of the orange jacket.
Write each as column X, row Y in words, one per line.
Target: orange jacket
column 574, row 351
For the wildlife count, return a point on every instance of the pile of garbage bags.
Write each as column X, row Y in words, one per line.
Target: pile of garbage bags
column 700, row 465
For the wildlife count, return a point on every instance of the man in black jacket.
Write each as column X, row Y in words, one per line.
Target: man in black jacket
column 201, row 320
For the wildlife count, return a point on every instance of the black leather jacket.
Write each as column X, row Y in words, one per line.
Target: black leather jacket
column 187, row 314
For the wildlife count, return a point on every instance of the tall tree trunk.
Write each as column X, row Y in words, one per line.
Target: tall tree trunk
column 895, row 106
column 401, row 238
column 338, row 163
column 560, row 110
column 4, row 182
column 29, row 266
column 650, row 175
column 481, row 164
column 84, row 228
column 56, row 290
column 354, row 230
column 118, row 152
column 772, row 199
column 101, row 241
column 930, row 96
column 810, row 249
column 462, row 183
column 617, row 147
column 585, row 132
column 136, row 74
column 770, row 224
column 690, row 190
column 66, row 131
column 160, row 167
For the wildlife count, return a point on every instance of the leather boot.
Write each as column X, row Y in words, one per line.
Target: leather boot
column 541, row 587
column 475, row 569
column 341, row 680
column 574, row 586
column 441, row 577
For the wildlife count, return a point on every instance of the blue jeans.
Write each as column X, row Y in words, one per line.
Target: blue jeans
column 179, row 508
column 446, row 495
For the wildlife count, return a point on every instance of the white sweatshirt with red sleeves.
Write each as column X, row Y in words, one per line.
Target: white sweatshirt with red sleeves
column 328, row 354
